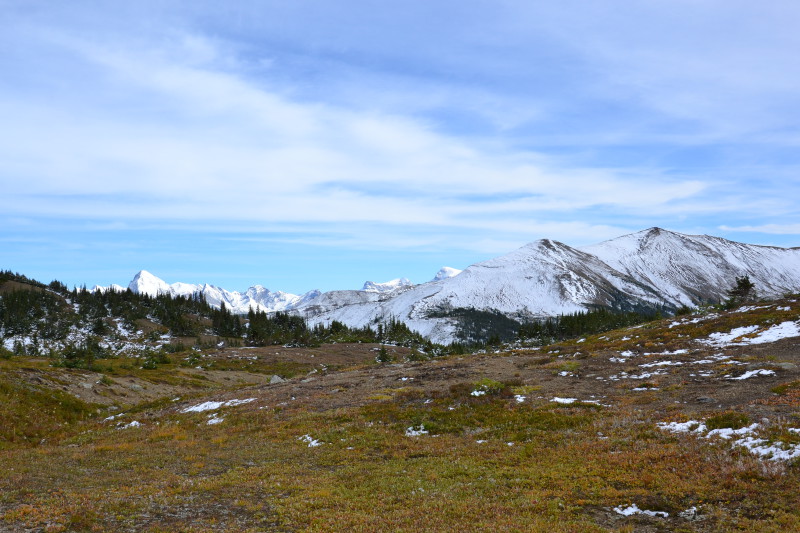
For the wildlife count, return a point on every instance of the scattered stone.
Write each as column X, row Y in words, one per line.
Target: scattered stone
column 705, row 399
column 276, row 379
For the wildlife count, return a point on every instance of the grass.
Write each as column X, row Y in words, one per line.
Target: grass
column 487, row 462
column 253, row 473
column 29, row 413
column 727, row 420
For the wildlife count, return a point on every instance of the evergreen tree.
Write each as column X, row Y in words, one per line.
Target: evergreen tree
column 744, row 291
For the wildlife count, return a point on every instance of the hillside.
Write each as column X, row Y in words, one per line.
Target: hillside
column 680, row 424
column 650, row 271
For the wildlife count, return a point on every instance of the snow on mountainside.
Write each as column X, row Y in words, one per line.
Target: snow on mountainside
column 653, row 268
column 543, row 278
column 113, row 287
column 446, row 272
column 257, row 297
column 146, row 283
column 688, row 269
column 389, row 286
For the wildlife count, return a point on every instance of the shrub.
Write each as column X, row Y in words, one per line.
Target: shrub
column 383, row 355
column 729, row 419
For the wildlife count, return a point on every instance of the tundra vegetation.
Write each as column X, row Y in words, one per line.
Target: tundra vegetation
column 182, row 425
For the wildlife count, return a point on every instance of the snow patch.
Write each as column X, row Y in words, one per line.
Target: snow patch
column 752, row 373
column 744, row 335
column 312, row 442
column 210, row 406
column 416, row 431
column 564, row 400
column 634, row 509
column 772, row 451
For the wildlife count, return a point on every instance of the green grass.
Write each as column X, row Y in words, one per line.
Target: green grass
column 253, row 473
column 30, row 413
column 487, row 463
column 727, row 420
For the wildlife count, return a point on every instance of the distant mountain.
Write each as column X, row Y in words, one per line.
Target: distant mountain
column 446, row 272
column 387, row 287
column 687, row 269
column 257, row 297
column 654, row 269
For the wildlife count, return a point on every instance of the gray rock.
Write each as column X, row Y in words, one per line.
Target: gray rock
column 276, row 379
column 705, row 399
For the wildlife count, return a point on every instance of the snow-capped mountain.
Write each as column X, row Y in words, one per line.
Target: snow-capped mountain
column 257, row 297
column 446, row 272
column 543, row 278
column 687, row 269
column 146, row 283
column 388, row 286
column 113, row 287
column 652, row 269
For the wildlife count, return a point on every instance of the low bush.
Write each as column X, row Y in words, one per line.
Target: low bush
column 729, row 419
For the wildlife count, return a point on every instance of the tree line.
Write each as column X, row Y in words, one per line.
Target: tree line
column 52, row 312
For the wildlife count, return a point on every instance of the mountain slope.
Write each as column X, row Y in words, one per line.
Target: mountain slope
column 655, row 269
column 650, row 269
column 258, row 298
column 688, row 269
column 544, row 278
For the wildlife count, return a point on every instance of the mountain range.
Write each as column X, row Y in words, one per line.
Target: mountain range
column 648, row 270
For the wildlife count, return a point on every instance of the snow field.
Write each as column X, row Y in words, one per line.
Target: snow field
column 744, row 437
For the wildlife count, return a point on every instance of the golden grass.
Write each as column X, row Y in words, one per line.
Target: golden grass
column 487, row 463
column 566, row 466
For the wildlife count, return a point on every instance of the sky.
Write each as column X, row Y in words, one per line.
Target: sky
column 316, row 144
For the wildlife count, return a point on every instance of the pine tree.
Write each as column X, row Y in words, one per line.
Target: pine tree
column 744, row 291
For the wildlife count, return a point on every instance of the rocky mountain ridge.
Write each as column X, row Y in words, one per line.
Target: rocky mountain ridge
column 653, row 269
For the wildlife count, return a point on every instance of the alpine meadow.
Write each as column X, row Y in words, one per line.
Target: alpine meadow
column 363, row 266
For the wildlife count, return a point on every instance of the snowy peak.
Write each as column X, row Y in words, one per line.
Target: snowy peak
column 386, row 287
column 113, row 287
column 689, row 269
column 446, row 273
column 257, row 297
column 654, row 269
column 146, row 283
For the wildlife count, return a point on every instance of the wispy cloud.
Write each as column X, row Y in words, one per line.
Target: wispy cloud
column 775, row 229
column 408, row 127
column 231, row 150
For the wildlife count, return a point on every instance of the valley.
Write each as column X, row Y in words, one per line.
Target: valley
column 680, row 424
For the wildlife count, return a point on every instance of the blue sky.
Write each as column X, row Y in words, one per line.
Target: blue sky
column 313, row 144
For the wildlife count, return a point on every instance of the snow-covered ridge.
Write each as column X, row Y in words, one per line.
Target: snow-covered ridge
column 654, row 268
column 687, row 269
column 257, row 297
column 445, row 273
column 386, row 287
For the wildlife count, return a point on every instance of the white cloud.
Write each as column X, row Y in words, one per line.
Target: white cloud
column 213, row 144
column 181, row 128
column 775, row 229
